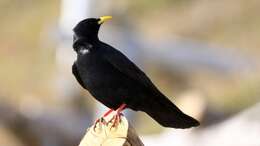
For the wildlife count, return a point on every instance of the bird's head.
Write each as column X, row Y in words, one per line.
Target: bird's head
column 86, row 31
column 89, row 27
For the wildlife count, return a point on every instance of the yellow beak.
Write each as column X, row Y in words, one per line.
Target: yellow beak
column 103, row 19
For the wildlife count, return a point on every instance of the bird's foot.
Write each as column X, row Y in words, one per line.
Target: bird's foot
column 115, row 120
column 102, row 120
column 99, row 121
column 117, row 117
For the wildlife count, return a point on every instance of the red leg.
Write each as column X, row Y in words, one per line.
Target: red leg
column 108, row 112
column 121, row 108
column 118, row 114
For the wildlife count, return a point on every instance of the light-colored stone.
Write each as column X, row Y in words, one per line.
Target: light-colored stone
column 103, row 134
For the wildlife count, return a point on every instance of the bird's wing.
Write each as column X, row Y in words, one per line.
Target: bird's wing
column 127, row 67
column 157, row 106
column 77, row 76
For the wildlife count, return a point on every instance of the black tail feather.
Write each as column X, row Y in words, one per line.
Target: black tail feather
column 167, row 114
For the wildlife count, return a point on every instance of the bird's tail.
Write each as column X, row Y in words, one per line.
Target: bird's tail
column 167, row 114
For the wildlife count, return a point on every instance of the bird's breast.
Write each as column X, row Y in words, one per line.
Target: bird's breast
column 97, row 72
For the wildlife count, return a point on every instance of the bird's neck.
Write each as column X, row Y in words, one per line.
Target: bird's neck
column 91, row 38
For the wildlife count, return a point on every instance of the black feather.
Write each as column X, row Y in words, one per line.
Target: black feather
column 113, row 79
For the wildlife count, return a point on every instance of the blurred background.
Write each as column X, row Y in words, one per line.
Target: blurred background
column 204, row 55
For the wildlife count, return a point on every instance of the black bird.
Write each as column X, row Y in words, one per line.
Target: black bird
column 116, row 81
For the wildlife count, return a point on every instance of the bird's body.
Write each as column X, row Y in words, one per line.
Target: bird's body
column 102, row 80
column 114, row 80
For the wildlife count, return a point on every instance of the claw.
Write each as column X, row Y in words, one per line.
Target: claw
column 116, row 120
column 99, row 121
column 95, row 124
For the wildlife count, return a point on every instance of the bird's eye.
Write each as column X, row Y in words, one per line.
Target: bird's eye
column 76, row 46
